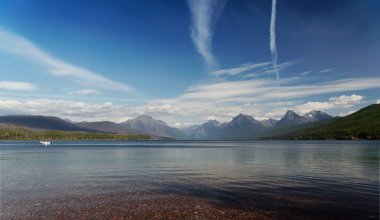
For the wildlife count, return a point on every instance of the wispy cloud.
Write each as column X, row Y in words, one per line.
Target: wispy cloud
column 84, row 92
column 203, row 14
column 350, row 84
column 325, row 71
column 267, row 70
column 14, row 44
column 272, row 43
column 305, row 73
column 18, row 86
column 240, row 69
column 262, row 90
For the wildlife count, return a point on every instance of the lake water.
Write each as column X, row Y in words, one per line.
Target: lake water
column 182, row 179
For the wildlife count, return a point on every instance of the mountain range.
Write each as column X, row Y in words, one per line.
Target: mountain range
column 241, row 127
column 363, row 124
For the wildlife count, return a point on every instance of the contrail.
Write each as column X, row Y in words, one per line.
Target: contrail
column 204, row 13
column 273, row 48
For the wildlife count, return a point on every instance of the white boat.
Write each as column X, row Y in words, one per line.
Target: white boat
column 46, row 143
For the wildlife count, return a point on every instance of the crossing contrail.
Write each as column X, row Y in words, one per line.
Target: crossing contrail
column 273, row 48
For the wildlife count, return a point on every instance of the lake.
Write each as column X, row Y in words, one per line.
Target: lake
column 190, row 180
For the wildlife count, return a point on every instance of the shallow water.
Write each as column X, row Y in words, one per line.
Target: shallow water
column 336, row 180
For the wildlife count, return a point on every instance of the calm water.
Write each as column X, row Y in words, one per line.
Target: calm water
column 311, row 178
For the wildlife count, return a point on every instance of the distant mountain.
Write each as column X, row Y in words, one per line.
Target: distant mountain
column 42, row 122
column 269, row 122
column 292, row 118
column 363, row 124
column 245, row 127
column 240, row 127
column 212, row 124
column 147, row 125
column 314, row 116
column 243, row 121
column 207, row 130
column 107, row 127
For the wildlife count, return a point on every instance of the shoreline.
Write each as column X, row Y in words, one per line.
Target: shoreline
column 168, row 204
column 125, row 205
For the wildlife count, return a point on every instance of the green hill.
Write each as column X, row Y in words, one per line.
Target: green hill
column 363, row 124
column 10, row 132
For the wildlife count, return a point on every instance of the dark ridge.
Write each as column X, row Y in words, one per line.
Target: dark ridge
column 42, row 122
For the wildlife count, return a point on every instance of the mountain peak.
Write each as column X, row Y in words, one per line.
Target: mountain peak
column 144, row 117
column 290, row 115
column 242, row 119
column 290, row 112
column 145, row 120
column 148, row 125
column 242, row 116
column 290, row 118
column 211, row 123
column 316, row 116
column 313, row 113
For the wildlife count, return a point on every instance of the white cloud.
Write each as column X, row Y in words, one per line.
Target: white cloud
column 84, row 92
column 18, row 45
column 203, row 13
column 19, row 86
column 378, row 101
column 346, row 101
column 333, row 103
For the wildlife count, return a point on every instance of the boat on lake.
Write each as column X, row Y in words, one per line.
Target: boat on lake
column 46, row 143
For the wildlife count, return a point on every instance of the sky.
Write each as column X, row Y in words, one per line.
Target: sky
column 186, row 62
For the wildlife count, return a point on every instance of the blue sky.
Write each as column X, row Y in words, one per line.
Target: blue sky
column 187, row 61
